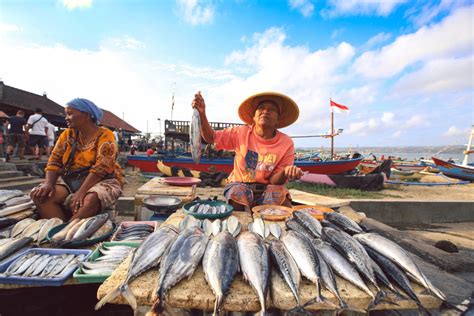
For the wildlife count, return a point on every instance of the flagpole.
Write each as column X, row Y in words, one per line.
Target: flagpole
column 332, row 130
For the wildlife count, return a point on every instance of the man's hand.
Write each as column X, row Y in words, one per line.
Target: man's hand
column 293, row 172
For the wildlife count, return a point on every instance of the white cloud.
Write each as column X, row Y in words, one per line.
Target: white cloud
column 423, row 14
column 416, row 120
column 421, row 46
column 387, row 117
column 337, row 32
column 77, row 4
column 7, row 28
column 443, row 75
column 306, row 7
column 125, row 42
column 397, row 134
column 196, row 12
column 381, row 37
column 363, row 128
column 453, row 131
column 361, row 7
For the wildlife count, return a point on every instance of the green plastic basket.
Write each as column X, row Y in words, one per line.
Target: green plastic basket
column 229, row 209
column 100, row 278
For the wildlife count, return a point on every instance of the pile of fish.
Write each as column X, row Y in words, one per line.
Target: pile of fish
column 42, row 265
column 83, row 229
column 14, row 201
column 10, row 246
column 307, row 248
column 35, row 229
column 206, row 209
column 273, row 211
column 135, row 232
column 111, row 257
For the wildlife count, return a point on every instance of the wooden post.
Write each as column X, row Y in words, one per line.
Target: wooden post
column 332, row 134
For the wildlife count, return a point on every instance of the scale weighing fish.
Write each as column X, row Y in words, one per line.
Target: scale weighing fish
column 195, row 136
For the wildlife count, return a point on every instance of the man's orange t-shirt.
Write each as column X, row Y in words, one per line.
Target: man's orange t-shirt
column 256, row 158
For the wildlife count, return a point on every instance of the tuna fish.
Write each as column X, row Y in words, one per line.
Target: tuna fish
column 220, row 264
column 182, row 259
column 147, row 256
column 195, row 136
column 255, row 265
column 61, row 235
column 21, row 226
column 343, row 222
column 287, row 267
column 311, row 224
column 398, row 255
column 13, row 246
column 90, row 226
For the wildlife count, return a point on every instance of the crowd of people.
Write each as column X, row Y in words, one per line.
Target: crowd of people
column 35, row 134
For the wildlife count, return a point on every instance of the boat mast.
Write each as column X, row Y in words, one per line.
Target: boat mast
column 332, row 131
column 468, row 149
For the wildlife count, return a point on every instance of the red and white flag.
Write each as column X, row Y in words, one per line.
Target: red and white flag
column 338, row 107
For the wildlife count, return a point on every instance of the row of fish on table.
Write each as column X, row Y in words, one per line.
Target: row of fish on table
column 135, row 232
column 317, row 251
column 42, row 265
column 109, row 259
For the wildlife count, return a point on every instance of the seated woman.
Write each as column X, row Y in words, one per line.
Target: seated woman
column 264, row 156
column 82, row 175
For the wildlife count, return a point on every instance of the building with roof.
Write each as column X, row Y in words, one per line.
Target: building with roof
column 13, row 99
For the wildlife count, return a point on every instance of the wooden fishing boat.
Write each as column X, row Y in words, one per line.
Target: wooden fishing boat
column 149, row 164
column 454, row 170
column 401, row 166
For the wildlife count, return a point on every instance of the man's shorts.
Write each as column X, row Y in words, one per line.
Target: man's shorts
column 252, row 194
column 38, row 140
column 16, row 139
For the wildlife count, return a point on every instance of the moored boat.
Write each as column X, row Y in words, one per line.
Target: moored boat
column 454, row 170
column 149, row 164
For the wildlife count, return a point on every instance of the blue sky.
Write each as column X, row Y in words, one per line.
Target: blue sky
column 404, row 68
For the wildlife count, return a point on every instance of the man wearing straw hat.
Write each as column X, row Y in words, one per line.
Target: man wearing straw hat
column 264, row 156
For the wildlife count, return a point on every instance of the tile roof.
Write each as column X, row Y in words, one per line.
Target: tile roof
column 112, row 120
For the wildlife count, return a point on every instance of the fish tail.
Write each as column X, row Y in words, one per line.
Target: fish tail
column 128, row 295
column 157, row 307
column 380, row 297
column 107, row 298
column 217, row 304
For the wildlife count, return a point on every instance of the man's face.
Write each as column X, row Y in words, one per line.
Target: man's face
column 266, row 114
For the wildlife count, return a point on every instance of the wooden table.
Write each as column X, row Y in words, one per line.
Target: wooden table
column 195, row 293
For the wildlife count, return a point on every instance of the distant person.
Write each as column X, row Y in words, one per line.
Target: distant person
column 150, row 151
column 83, row 177
column 16, row 134
column 38, row 130
column 3, row 129
column 51, row 138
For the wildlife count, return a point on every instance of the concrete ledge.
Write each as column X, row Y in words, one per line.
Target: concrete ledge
column 402, row 212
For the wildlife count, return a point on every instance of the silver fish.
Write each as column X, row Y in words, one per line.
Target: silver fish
column 13, row 246
column 21, row 226
column 6, row 195
column 255, row 265
column 147, row 256
column 287, row 267
column 182, row 259
column 61, row 235
column 312, row 225
column 61, row 265
column 17, row 200
column 90, row 227
column 398, row 255
column 220, row 264
column 195, row 136
column 258, row 227
column 343, row 222
column 14, row 266
column 41, row 265
column 216, row 227
column 43, row 232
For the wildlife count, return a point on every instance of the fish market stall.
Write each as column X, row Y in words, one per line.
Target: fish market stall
column 195, row 293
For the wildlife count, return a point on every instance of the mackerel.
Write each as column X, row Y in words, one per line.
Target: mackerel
column 255, row 265
column 182, row 259
column 41, row 265
column 145, row 257
column 21, row 226
column 311, row 224
column 343, row 222
column 43, row 232
column 25, row 265
column 195, row 136
column 61, row 235
column 90, row 227
column 13, row 246
column 18, row 263
column 220, row 264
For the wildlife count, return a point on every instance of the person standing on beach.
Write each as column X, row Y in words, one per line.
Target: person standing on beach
column 16, row 134
column 38, row 131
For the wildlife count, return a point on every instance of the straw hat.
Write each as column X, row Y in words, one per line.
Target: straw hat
column 289, row 111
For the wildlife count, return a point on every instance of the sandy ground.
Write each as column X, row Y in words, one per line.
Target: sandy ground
column 133, row 180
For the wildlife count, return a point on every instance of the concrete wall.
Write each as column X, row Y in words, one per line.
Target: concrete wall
column 393, row 212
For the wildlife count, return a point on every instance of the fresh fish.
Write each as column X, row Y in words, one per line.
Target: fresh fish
column 104, row 270
column 326, row 223
column 220, row 264
column 224, row 226
column 343, row 222
column 90, row 227
column 292, row 224
column 232, row 223
column 180, row 262
column 13, row 246
column 147, row 256
column 15, row 265
column 255, row 265
column 51, row 264
column 104, row 229
column 27, row 264
column 6, row 195
column 259, row 227
column 61, row 266
column 398, row 255
column 395, row 274
column 61, row 235
column 300, row 248
column 6, row 221
column 195, row 136
column 188, row 221
column 17, row 201
column 353, row 251
column 43, row 232
column 216, row 227
column 286, row 266
column 207, row 227
column 342, row 267
column 311, row 224
column 382, row 279
column 33, row 229
column 45, row 259
column 71, row 232
column 275, row 230
column 21, row 226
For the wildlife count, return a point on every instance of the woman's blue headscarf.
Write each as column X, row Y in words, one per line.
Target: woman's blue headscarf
column 87, row 106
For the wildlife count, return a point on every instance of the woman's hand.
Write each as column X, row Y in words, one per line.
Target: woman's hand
column 198, row 103
column 42, row 192
column 293, row 172
column 76, row 202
